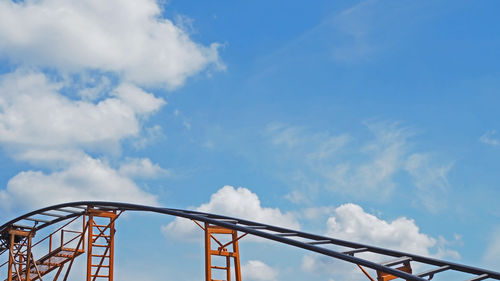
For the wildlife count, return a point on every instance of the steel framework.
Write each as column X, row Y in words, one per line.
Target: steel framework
column 14, row 236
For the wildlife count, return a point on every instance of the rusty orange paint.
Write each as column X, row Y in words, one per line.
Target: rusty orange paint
column 100, row 244
column 222, row 250
column 382, row 276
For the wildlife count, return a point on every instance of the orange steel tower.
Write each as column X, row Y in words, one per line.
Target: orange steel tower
column 214, row 232
column 100, row 248
column 20, row 256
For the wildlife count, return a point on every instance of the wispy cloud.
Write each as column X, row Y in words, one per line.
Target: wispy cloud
column 491, row 257
column 490, row 138
column 344, row 164
column 355, row 26
column 430, row 178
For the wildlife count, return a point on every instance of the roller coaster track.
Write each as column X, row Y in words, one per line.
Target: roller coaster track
column 42, row 218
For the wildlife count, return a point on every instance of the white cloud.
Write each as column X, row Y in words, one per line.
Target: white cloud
column 87, row 179
column 329, row 147
column 35, row 115
column 142, row 168
column 99, row 55
column 129, row 38
column 53, row 157
column 92, row 87
column 343, row 164
column 285, row 135
column 324, row 155
column 258, row 271
column 489, row 138
column 140, row 101
column 43, row 127
column 384, row 155
column 430, row 179
column 350, row 222
column 151, row 135
column 239, row 203
column 297, row 197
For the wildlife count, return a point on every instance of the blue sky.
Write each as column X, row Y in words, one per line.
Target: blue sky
column 368, row 120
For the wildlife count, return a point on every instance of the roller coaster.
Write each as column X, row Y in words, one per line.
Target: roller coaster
column 88, row 227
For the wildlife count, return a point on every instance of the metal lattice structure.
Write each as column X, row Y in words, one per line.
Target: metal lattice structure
column 16, row 243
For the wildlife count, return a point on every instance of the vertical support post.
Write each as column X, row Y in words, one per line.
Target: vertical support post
column 236, row 251
column 28, row 260
column 228, row 268
column 222, row 251
column 100, row 244
column 84, row 225
column 89, row 246
column 19, row 259
column 11, row 257
column 112, row 248
column 208, row 256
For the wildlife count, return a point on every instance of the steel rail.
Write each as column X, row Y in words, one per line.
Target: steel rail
column 263, row 230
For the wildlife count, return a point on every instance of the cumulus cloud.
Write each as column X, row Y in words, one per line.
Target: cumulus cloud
column 351, row 222
column 78, row 92
column 41, row 126
column 35, row 114
column 137, row 99
column 258, row 271
column 87, row 179
column 129, row 38
column 239, row 203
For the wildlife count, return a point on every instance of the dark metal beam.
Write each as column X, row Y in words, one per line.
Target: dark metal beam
column 269, row 232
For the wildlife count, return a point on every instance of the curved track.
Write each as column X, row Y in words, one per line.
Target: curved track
column 45, row 217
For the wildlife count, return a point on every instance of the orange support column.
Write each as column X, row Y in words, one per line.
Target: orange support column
column 20, row 258
column 221, row 251
column 100, row 244
column 236, row 250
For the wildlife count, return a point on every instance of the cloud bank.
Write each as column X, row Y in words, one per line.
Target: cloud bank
column 77, row 92
column 40, row 125
column 129, row 38
column 34, row 114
